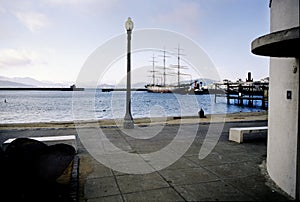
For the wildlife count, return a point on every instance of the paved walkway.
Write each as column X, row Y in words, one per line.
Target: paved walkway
column 232, row 171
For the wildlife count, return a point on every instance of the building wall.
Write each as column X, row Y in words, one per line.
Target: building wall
column 284, row 14
column 283, row 112
column 283, row 123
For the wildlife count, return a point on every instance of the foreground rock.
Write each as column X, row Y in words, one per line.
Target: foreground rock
column 29, row 170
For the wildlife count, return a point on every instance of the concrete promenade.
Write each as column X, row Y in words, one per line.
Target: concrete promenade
column 231, row 172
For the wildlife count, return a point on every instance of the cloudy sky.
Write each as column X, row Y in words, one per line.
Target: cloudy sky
column 51, row 39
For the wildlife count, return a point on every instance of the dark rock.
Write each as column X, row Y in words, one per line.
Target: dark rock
column 21, row 155
column 29, row 169
column 53, row 160
column 29, row 158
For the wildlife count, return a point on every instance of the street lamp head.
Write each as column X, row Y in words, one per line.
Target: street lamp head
column 129, row 24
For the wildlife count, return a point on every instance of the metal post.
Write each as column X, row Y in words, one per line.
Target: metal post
column 128, row 120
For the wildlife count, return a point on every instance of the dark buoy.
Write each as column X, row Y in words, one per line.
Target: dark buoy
column 201, row 113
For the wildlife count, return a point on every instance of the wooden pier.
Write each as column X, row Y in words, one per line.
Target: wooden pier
column 246, row 93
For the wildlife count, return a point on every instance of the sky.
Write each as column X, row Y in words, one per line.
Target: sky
column 51, row 40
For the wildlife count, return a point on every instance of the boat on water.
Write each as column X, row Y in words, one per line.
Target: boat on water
column 168, row 88
column 199, row 89
column 183, row 89
column 186, row 87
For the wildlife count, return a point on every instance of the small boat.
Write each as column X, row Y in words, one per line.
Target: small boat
column 199, row 89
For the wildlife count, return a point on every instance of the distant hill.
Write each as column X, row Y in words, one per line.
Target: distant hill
column 133, row 85
column 204, row 81
column 4, row 83
column 105, row 86
column 27, row 81
column 139, row 85
column 30, row 82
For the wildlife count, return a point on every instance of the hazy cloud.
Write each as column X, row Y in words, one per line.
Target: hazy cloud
column 34, row 21
column 13, row 57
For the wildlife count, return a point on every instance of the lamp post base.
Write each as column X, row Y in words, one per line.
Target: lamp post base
column 128, row 124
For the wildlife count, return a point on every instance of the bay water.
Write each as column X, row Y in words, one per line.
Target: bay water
column 56, row 106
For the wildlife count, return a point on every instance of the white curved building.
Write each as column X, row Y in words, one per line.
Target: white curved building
column 282, row 44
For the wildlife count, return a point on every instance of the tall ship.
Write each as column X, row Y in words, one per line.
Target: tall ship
column 163, row 87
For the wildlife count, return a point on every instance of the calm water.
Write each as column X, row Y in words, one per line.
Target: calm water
column 47, row 106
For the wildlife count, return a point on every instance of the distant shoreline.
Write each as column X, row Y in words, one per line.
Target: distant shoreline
column 233, row 117
column 122, row 89
column 43, row 89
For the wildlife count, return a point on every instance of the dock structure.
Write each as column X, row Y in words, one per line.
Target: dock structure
column 249, row 93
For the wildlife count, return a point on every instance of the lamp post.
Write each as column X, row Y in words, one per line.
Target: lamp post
column 128, row 121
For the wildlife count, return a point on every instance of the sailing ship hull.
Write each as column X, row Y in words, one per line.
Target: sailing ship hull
column 166, row 89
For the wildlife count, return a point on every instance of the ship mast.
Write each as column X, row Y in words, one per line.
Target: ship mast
column 153, row 69
column 178, row 66
column 164, row 67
